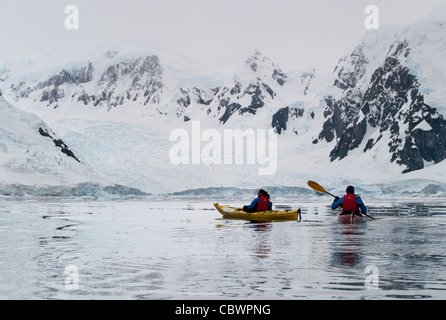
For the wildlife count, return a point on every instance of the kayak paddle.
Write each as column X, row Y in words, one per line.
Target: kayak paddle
column 316, row 186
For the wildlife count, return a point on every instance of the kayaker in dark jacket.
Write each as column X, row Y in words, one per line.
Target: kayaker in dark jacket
column 350, row 202
column 261, row 203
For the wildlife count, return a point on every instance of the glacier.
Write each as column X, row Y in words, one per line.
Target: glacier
column 35, row 161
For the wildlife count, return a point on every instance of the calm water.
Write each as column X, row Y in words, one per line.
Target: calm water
column 174, row 250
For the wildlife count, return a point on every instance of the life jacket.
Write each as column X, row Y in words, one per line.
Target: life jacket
column 263, row 204
column 350, row 203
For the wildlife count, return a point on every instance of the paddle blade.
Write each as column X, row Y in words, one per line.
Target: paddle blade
column 316, row 186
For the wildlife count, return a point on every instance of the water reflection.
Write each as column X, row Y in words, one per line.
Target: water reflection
column 346, row 245
column 348, row 252
column 262, row 229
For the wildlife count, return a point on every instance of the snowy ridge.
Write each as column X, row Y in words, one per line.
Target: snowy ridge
column 137, row 81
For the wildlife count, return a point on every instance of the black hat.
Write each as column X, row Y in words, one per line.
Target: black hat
column 350, row 190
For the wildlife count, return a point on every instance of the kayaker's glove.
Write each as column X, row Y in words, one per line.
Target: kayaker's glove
column 336, row 199
column 245, row 208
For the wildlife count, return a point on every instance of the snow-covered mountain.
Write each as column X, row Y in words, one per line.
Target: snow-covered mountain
column 259, row 87
column 137, row 81
column 377, row 103
column 253, row 88
column 377, row 118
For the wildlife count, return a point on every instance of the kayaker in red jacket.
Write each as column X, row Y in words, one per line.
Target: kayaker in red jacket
column 261, row 203
column 350, row 202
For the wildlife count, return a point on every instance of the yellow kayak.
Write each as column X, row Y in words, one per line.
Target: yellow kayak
column 238, row 213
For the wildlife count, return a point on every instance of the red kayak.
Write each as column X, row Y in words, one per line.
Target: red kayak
column 349, row 218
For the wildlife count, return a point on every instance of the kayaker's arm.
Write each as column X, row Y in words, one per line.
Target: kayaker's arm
column 338, row 202
column 270, row 206
column 254, row 203
column 361, row 205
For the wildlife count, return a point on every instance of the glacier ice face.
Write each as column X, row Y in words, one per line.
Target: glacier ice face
column 33, row 155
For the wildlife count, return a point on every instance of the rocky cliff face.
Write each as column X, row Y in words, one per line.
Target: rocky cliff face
column 285, row 115
column 342, row 106
column 138, row 80
column 190, row 96
column 390, row 106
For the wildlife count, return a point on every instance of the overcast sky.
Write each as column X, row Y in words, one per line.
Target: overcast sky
column 295, row 34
